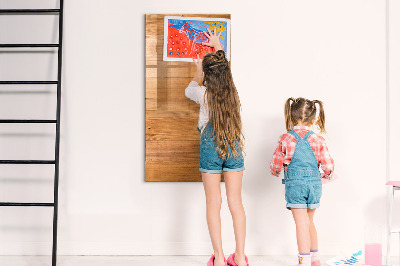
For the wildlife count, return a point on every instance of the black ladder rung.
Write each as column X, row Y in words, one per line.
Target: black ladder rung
column 5, row 11
column 33, row 45
column 27, row 161
column 27, row 121
column 30, row 82
column 28, row 204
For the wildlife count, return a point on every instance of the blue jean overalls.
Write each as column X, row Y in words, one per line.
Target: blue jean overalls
column 211, row 162
column 302, row 180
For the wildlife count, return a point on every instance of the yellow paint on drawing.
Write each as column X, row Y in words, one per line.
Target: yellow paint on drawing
column 216, row 25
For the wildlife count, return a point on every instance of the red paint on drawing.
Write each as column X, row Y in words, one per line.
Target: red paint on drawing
column 181, row 46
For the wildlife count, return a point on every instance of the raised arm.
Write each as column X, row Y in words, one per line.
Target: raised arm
column 194, row 91
column 213, row 39
column 199, row 72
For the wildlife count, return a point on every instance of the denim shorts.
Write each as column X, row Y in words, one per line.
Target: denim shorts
column 303, row 193
column 210, row 160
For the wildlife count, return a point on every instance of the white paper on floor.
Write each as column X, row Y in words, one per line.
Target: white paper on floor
column 350, row 258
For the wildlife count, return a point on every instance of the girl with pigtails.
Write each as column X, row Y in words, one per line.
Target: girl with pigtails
column 302, row 154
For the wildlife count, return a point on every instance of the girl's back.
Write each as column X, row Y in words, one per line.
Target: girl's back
column 220, row 147
column 302, row 153
column 287, row 146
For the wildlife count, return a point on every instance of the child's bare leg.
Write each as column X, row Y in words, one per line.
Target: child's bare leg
column 211, row 183
column 302, row 221
column 315, row 261
column 233, row 183
column 313, row 230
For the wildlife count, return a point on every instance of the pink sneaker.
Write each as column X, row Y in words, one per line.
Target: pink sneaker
column 231, row 260
column 316, row 263
column 211, row 261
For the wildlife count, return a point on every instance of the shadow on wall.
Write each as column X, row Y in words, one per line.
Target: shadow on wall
column 375, row 213
column 263, row 193
column 376, row 221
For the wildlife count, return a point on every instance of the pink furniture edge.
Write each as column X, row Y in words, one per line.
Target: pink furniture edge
column 393, row 183
column 394, row 186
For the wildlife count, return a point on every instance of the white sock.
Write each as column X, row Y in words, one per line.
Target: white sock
column 314, row 255
column 305, row 260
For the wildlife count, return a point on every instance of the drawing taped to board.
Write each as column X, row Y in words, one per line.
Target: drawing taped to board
column 183, row 37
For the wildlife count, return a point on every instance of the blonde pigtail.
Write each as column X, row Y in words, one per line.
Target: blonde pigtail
column 321, row 116
column 288, row 114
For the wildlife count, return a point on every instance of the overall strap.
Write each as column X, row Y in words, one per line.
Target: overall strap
column 297, row 136
column 294, row 133
column 308, row 134
column 303, row 164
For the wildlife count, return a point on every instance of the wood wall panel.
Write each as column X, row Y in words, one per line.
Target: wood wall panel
column 172, row 129
column 172, row 139
column 163, row 171
column 172, row 150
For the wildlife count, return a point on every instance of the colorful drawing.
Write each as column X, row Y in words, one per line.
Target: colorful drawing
column 183, row 37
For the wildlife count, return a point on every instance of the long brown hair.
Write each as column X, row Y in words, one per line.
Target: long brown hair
column 303, row 110
column 223, row 104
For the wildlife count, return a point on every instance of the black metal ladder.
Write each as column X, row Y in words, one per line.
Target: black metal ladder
column 57, row 82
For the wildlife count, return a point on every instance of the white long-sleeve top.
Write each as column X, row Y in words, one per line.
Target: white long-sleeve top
column 196, row 93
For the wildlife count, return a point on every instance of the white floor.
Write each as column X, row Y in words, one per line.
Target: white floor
column 142, row 260
column 135, row 260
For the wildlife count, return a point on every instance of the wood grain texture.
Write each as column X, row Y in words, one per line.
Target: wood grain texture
column 171, row 129
column 172, row 139
column 172, row 171
column 173, row 150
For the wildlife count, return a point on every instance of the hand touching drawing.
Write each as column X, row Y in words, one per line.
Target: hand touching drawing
column 213, row 39
column 187, row 37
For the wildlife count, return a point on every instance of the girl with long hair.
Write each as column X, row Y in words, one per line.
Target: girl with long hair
column 221, row 147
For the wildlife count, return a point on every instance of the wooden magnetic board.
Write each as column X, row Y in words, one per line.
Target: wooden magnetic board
column 172, row 139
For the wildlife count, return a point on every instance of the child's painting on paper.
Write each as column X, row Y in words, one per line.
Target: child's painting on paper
column 183, row 37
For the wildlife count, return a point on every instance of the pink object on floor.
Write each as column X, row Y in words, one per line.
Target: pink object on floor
column 373, row 254
column 333, row 178
column 211, row 261
column 316, row 263
column 231, row 260
column 393, row 183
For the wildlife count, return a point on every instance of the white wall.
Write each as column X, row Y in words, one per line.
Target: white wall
column 333, row 51
column 394, row 110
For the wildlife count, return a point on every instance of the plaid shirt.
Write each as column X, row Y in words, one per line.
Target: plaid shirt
column 287, row 144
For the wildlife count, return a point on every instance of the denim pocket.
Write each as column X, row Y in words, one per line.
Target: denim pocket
column 317, row 190
column 293, row 190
